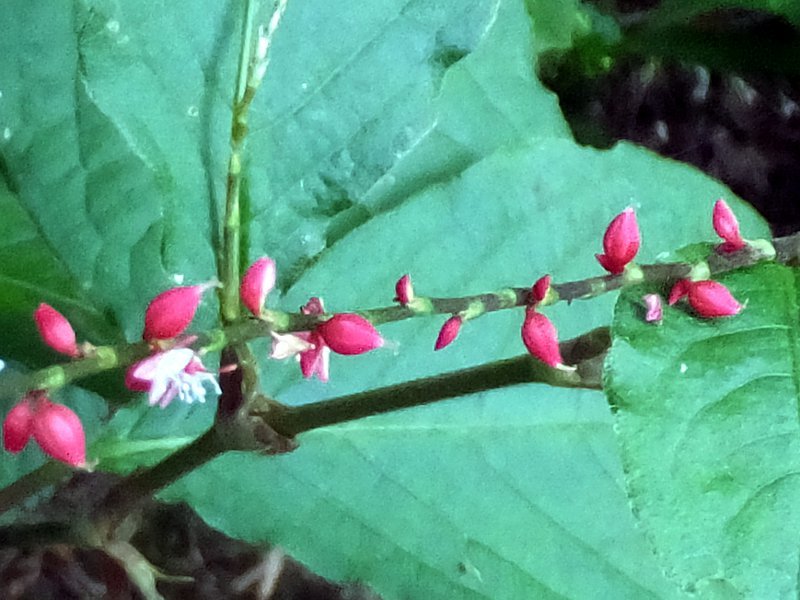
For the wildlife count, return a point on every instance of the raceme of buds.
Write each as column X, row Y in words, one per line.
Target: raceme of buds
column 620, row 242
column 171, row 312
column 56, row 330
column 404, row 291
column 348, row 333
column 448, row 332
column 174, row 373
column 257, row 282
column 709, row 299
column 55, row 427
column 652, row 303
column 540, row 289
column 541, row 338
column 727, row 227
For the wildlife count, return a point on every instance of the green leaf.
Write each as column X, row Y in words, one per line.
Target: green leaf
column 707, row 416
column 677, row 11
column 115, row 123
column 512, row 494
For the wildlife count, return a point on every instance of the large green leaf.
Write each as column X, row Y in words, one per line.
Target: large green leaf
column 707, row 415
column 512, row 494
column 115, row 123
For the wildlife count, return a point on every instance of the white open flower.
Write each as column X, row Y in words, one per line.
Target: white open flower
column 165, row 375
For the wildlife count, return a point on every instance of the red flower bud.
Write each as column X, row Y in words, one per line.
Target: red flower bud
column 540, row 289
column 315, row 360
column 404, row 291
column 59, row 432
column 314, row 306
column 18, row 426
column 727, row 227
column 56, row 330
column 348, row 333
column 678, row 291
column 711, row 299
column 541, row 338
column 448, row 332
column 171, row 312
column 257, row 282
column 620, row 242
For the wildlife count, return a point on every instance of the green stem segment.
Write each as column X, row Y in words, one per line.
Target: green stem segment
column 232, row 226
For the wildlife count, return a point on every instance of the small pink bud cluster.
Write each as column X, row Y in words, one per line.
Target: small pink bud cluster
column 344, row 333
column 620, row 242
column 173, row 370
column 538, row 333
column 56, row 428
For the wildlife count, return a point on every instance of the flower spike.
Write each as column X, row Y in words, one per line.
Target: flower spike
column 620, row 242
column 727, row 227
column 55, row 330
column 448, row 332
column 170, row 313
column 541, row 338
column 257, row 282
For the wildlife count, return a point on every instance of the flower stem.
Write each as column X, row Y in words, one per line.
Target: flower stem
column 291, row 421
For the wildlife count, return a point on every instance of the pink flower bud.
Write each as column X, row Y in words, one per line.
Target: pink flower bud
column 652, row 303
column 404, row 291
column 171, row 312
column 314, row 306
column 348, row 333
column 56, row 330
column 620, row 242
column 678, row 291
column 711, row 299
column 540, row 289
column 18, row 426
column 59, row 432
column 727, row 227
column 448, row 332
column 315, row 360
column 541, row 338
column 257, row 282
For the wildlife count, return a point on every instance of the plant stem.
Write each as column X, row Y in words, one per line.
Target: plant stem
column 27, row 485
column 143, row 484
column 231, row 232
column 291, row 421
